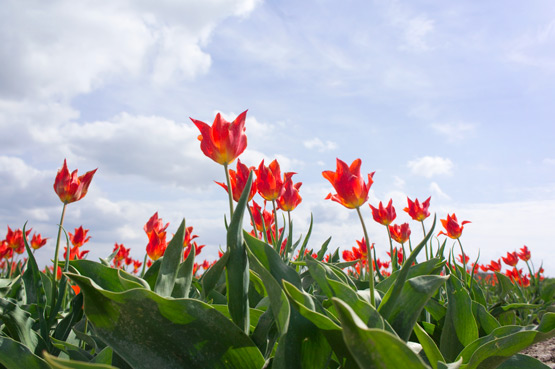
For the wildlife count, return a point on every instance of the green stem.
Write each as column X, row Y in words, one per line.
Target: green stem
column 229, row 191
column 369, row 257
column 276, row 236
column 394, row 265
column 424, row 231
column 253, row 222
column 463, row 258
column 55, row 271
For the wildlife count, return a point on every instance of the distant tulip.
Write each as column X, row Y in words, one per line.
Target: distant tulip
column 223, row 142
column 349, row 184
column 400, row 233
column 494, row 266
column 511, row 259
column 524, row 253
column 238, row 180
column 384, row 215
column 71, row 187
column 268, row 180
column 418, row 211
column 289, row 197
column 79, row 238
column 451, row 225
column 37, row 241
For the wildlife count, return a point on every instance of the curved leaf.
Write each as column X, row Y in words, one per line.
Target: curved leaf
column 170, row 263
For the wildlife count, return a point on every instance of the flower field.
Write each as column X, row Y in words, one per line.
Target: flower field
column 273, row 299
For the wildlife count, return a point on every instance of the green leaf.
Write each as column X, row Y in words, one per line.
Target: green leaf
column 485, row 320
column 429, row 346
column 520, row 361
column 460, row 327
column 414, row 296
column 15, row 355
column 211, row 277
column 237, row 267
column 170, row 263
column 151, row 274
column 432, row 266
column 57, row 363
column 374, row 348
column 149, row 331
column 389, row 301
column 108, row 278
column 185, row 275
column 17, row 324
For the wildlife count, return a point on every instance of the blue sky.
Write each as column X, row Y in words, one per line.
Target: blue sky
column 449, row 100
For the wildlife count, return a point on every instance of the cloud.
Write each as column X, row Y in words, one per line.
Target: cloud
column 535, row 48
column 63, row 48
column 437, row 191
column 429, row 166
column 417, row 28
column 454, row 131
column 317, row 144
column 549, row 161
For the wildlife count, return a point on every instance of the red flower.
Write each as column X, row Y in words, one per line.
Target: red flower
column 74, row 253
column 451, row 225
column 400, row 233
column 123, row 252
column 261, row 217
column 347, row 181
column 511, row 259
column 136, row 265
column 238, row 180
column 289, row 197
column 155, row 224
column 71, row 187
column 37, row 241
column 80, row 237
column 384, row 215
column 399, row 253
column 156, row 244
column 524, row 253
column 494, row 266
column 268, row 180
column 416, row 210
column 223, row 141
column 466, row 259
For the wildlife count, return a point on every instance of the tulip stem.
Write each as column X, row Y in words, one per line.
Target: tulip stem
column 424, row 231
column 394, row 259
column 276, row 236
column 55, row 270
column 463, row 259
column 369, row 257
column 229, row 191
column 253, row 222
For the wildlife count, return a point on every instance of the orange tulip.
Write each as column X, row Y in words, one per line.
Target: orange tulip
column 238, row 180
column 156, row 245
column 511, row 259
column 289, row 197
column 400, row 233
column 268, row 180
column 79, row 238
column 451, row 225
column 418, row 211
column 71, row 187
column 524, row 253
column 384, row 215
column 37, row 241
column 261, row 217
column 223, row 141
column 347, row 181
column 155, row 224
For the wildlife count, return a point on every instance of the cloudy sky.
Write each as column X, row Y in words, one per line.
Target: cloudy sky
column 448, row 100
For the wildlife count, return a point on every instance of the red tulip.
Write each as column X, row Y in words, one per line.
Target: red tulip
column 347, row 181
column 238, row 180
column 136, row 265
column 511, row 259
column 123, row 252
column 418, row 211
column 451, row 225
column 155, row 224
column 384, row 215
column 37, row 241
column 399, row 253
column 524, row 254
column 75, row 253
column 14, row 240
column 156, row 244
column 223, row 141
column 466, row 259
column 71, row 187
column 400, row 233
column 80, row 237
column 268, row 180
column 261, row 217
column 289, row 197
column 494, row 266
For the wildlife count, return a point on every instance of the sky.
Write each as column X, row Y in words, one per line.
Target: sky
column 452, row 100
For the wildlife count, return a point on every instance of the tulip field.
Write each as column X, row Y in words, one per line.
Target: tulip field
column 273, row 298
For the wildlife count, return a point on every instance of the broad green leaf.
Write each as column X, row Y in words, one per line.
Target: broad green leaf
column 505, row 286
column 151, row 274
column 520, row 361
column 410, row 302
column 211, row 277
column 374, row 348
column 184, row 276
column 432, row 266
column 305, row 242
column 111, row 279
column 389, row 301
column 485, row 320
column 57, row 363
column 460, row 327
column 15, row 355
column 429, row 346
column 17, row 324
column 150, row 331
column 104, row 356
column 170, row 263
column 75, row 314
column 237, row 267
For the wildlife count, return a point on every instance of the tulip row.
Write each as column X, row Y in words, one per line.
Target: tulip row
column 269, row 301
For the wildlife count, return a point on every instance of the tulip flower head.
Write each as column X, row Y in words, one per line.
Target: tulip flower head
column 400, row 233
column 451, row 225
column 268, row 180
column 79, row 238
column 511, row 259
column 157, row 245
column 223, row 141
column 238, row 180
column 70, row 187
column 37, row 241
column 262, row 217
column 289, row 197
column 418, row 211
column 524, row 253
column 155, row 224
column 349, row 184
column 494, row 266
column 384, row 215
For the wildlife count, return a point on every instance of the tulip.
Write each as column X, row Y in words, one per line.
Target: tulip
column 239, row 180
column 155, row 224
column 494, row 266
column 418, row 211
column 223, row 141
column 79, row 238
column 400, row 233
column 384, row 215
column 524, row 254
column 511, row 259
column 451, row 225
column 349, row 184
column 268, row 180
column 75, row 253
column 289, row 197
column 70, row 187
column 263, row 219
column 156, row 245
column 37, row 241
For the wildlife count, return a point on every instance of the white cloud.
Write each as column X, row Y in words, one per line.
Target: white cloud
column 437, row 191
column 534, row 48
column 417, row 28
column 429, row 166
column 319, row 145
column 454, row 131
